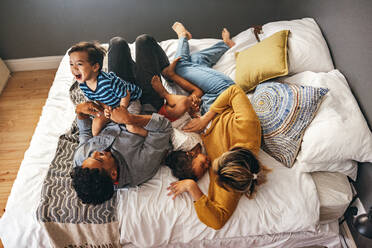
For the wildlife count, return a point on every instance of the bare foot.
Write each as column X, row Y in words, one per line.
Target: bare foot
column 158, row 86
column 169, row 71
column 181, row 30
column 226, row 38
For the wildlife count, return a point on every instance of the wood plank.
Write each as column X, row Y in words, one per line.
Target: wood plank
column 21, row 103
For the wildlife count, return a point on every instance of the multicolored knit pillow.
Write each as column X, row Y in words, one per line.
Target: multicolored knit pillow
column 285, row 111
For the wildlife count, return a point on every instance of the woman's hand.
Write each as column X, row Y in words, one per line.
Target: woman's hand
column 195, row 125
column 187, row 185
column 83, row 110
column 199, row 124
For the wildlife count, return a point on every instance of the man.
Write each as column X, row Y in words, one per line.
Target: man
column 115, row 155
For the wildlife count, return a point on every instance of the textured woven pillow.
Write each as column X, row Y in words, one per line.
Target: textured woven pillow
column 263, row 61
column 285, row 111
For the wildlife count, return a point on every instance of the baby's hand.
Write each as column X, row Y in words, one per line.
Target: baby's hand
column 107, row 112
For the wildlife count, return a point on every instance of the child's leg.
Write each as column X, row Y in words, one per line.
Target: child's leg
column 176, row 105
column 98, row 123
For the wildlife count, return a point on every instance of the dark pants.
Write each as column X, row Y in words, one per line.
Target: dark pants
column 150, row 61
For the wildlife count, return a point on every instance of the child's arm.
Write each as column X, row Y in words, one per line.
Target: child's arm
column 170, row 73
column 124, row 103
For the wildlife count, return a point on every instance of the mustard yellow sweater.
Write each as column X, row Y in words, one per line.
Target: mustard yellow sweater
column 236, row 124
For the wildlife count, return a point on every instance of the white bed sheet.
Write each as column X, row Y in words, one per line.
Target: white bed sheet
column 287, row 203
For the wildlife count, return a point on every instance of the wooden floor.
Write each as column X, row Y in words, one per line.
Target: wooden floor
column 21, row 103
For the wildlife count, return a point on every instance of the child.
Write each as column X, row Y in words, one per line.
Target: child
column 86, row 59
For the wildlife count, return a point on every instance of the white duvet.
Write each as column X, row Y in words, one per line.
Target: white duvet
column 288, row 202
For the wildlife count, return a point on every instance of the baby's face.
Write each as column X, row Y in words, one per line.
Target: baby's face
column 81, row 68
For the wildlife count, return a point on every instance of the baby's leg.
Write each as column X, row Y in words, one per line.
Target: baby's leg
column 98, row 123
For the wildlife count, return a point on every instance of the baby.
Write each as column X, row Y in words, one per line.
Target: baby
column 109, row 90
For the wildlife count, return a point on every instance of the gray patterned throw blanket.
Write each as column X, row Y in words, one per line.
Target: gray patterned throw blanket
column 68, row 222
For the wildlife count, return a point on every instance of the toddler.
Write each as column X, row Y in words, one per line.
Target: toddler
column 109, row 90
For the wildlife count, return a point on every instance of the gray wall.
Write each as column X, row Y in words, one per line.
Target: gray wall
column 34, row 28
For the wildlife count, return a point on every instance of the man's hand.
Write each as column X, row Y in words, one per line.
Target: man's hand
column 83, row 110
column 118, row 115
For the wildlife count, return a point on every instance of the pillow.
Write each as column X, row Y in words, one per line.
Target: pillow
column 307, row 48
column 285, row 111
column 263, row 61
column 339, row 132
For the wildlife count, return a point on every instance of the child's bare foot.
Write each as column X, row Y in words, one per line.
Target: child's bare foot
column 226, row 38
column 169, row 71
column 181, row 30
column 158, row 86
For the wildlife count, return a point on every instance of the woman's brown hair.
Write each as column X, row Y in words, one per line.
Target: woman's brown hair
column 239, row 170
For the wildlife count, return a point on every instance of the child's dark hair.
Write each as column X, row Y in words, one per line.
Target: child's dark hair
column 93, row 186
column 180, row 164
column 95, row 51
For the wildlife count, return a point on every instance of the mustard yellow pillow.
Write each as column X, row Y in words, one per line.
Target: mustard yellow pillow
column 263, row 61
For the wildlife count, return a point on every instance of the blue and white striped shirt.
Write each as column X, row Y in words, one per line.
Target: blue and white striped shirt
column 110, row 89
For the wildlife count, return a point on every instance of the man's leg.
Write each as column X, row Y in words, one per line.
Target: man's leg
column 120, row 59
column 150, row 61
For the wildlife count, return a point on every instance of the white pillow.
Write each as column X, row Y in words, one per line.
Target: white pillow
column 307, row 48
column 338, row 132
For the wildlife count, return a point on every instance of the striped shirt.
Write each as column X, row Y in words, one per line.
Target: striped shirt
column 110, row 89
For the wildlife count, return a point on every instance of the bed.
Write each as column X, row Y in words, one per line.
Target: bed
column 299, row 206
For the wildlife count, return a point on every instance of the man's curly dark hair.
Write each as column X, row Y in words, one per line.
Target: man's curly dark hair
column 180, row 164
column 93, row 186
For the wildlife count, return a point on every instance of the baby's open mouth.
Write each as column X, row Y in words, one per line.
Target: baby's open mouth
column 78, row 76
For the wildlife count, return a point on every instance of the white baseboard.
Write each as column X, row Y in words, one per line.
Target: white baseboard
column 31, row 64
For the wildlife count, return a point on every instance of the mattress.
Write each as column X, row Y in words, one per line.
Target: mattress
column 334, row 193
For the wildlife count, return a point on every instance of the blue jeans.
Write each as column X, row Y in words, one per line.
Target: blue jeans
column 196, row 68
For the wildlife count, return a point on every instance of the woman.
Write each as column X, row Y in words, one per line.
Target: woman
column 232, row 142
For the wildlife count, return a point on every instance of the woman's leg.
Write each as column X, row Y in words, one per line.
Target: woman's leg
column 208, row 57
column 150, row 61
column 120, row 59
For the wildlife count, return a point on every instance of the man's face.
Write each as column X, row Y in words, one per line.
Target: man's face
column 102, row 160
column 200, row 162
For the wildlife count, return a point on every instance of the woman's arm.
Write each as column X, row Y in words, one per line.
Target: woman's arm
column 170, row 73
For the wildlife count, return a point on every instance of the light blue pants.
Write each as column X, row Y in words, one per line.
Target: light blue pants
column 196, row 68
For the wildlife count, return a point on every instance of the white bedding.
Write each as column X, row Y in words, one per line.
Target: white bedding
column 288, row 203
